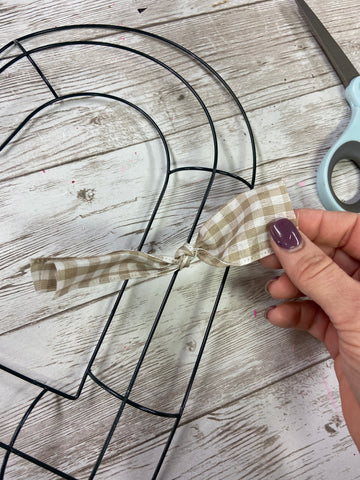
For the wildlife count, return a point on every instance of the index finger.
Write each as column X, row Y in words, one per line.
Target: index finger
column 331, row 229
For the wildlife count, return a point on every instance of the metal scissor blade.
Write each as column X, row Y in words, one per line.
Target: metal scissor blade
column 340, row 62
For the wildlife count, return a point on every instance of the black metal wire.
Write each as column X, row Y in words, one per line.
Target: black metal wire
column 124, row 398
column 164, row 40
column 18, row 44
column 193, row 374
column 18, row 430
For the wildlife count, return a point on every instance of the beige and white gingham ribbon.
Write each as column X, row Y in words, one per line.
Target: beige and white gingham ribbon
column 234, row 236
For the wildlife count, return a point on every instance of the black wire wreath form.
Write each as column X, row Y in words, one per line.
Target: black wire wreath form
column 124, row 398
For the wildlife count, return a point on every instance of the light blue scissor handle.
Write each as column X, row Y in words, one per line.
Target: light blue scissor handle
column 346, row 147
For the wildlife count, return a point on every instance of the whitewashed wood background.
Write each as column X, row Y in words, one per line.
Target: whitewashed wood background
column 82, row 178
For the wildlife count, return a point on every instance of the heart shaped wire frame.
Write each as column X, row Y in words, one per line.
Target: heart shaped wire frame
column 28, row 53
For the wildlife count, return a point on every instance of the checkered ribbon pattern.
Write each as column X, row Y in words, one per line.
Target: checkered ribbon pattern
column 236, row 235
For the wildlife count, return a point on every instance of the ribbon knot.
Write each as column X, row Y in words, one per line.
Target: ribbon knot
column 234, row 236
column 185, row 254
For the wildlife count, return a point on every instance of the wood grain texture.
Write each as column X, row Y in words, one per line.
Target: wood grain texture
column 260, row 438
column 82, row 178
column 33, row 17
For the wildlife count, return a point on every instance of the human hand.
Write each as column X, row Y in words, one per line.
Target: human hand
column 322, row 263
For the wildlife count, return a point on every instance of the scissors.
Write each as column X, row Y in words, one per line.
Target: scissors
column 348, row 145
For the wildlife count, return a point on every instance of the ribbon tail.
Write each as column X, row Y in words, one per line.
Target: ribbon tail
column 67, row 273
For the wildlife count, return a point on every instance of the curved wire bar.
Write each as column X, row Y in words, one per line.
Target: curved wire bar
column 164, row 40
column 131, row 402
column 213, row 170
column 125, row 400
column 155, row 60
column 17, row 431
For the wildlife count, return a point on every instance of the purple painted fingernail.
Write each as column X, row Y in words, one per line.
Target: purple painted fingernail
column 285, row 234
column 272, row 279
column 268, row 310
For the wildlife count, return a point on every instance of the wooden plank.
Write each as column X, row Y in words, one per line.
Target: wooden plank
column 290, row 428
column 26, row 16
column 290, row 65
column 275, row 433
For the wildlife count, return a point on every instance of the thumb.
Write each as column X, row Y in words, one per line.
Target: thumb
column 314, row 273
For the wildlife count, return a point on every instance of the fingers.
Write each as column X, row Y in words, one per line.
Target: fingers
column 312, row 272
column 347, row 263
column 306, row 315
column 282, row 287
column 319, row 227
column 334, row 229
column 270, row 262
